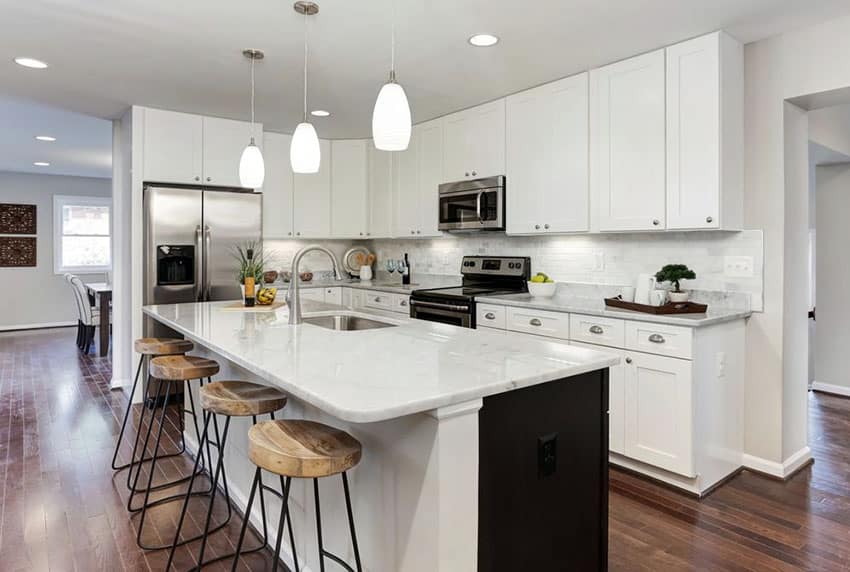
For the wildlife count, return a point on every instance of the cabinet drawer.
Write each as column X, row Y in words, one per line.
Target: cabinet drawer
column 401, row 304
column 490, row 316
column 594, row 330
column 379, row 300
column 539, row 322
column 673, row 341
column 315, row 294
column 333, row 295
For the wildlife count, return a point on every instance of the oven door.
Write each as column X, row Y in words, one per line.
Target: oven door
column 442, row 312
column 474, row 209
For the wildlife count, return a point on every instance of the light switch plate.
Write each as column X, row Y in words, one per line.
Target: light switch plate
column 738, row 266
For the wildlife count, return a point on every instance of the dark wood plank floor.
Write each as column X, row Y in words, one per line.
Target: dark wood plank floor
column 63, row 509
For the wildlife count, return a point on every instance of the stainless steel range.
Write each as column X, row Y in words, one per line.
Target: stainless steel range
column 482, row 276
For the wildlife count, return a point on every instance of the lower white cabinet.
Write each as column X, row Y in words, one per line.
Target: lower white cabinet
column 538, row 322
column 659, row 411
column 330, row 295
column 398, row 303
column 353, row 298
column 333, row 295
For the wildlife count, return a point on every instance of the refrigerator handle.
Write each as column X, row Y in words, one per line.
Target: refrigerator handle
column 207, row 247
column 199, row 270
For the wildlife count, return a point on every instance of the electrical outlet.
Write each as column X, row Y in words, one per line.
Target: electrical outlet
column 599, row 261
column 721, row 364
column 738, row 266
column 547, row 454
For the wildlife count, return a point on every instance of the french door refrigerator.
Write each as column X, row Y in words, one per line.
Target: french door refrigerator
column 189, row 237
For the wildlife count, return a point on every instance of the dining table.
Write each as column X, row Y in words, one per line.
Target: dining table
column 102, row 292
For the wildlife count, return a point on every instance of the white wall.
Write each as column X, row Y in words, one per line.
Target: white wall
column 833, row 198
column 830, row 128
column 48, row 299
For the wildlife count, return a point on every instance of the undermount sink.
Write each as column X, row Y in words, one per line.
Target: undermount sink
column 346, row 323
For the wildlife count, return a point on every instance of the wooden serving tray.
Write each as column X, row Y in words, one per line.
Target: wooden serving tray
column 240, row 307
column 668, row 308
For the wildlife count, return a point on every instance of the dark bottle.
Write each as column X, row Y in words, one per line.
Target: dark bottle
column 405, row 275
column 249, row 280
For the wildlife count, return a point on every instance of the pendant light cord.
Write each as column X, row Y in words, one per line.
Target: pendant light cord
column 305, row 67
column 253, row 59
column 392, row 41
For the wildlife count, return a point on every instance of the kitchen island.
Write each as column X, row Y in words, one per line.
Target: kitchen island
column 480, row 451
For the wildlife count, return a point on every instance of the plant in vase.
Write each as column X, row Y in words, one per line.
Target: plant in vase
column 674, row 274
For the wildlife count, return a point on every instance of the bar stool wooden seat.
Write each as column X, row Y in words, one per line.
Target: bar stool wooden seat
column 303, row 449
column 171, row 370
column 232, row 399
column 147, row 348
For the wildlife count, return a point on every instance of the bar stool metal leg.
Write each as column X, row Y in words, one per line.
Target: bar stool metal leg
column 325, row 553
column 126, row 416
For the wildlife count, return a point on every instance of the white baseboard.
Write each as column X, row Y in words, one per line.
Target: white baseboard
column 779, row 470
column 40, row 326
column 120, row 383
column 842, row 390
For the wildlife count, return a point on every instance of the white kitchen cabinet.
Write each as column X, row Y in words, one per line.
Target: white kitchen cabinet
column 474, row 142
column 659, row 412
column 616, row 397
column 490, row 316
column 417, row 174
column 277, row 187
column 333, row 295
column 628, row 144
column 353, row 298
column 401, row 304
column 547, row 158
column 312, row 200
column 705, row 133
column 380, row 193
column 538, row 322
column 173, row 147
column 314, row 294
column 224, row 141
column 349, row 188
column 380, row 301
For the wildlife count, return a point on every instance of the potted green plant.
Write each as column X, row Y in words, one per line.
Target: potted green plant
column 674, row 274
column 251, row 260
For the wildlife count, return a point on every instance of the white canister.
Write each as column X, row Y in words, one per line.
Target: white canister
column 365, row 272
column 627, row 294
column 644, row 286
column 658, row 297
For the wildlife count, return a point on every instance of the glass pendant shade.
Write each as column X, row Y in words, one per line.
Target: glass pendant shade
column 252, row 168
column 391, row 122
column 305, row 155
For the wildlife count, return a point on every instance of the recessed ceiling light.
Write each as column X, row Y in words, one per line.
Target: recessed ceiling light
column 320, row 113
column 45, row 138
column 483, row 40
column 31, row 63
column 41, row 164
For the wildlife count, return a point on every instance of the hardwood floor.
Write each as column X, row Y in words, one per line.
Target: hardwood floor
column 63, row 509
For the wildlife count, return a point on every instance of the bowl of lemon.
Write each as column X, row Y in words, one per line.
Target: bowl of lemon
column 541, row 286
column 266, row 296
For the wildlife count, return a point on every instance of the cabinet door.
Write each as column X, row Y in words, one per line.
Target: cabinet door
column 349, row 189
column 547, row 154
column 173, row 147
column 277, row 187
column 333, row 295
column 627, row 124
column 693, row 133
column 380, row 193
column 405, row 188
column 616, row 398
column 474, row 142
column 659, row 412
column 224, row 141
column 429, row 170
column 312, row 211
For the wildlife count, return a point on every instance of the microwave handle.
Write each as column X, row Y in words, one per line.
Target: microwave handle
column 478, row 206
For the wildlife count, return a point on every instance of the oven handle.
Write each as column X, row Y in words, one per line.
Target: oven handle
column 452, row 307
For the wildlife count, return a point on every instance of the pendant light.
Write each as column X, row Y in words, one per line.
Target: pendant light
column 391, row 122
column 252, row 168
column 305, row 155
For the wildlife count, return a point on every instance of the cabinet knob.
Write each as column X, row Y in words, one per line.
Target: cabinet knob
column 490, row 316
column 288, row 234
column 709, row 219
column 628, row 360
column 466, row 174
column 197, row 178
column 596, row 330
column 209, row 179
column 418, row 232
column 361, row 234
column 535, row 322
column 298, row 234
column 536, row 227
column 403, row 303
column 656, row 222
column 546, row 226
column 412, row 232
column 474, row 173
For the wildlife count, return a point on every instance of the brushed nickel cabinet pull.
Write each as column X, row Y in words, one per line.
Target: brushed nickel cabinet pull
column 535, row 322
column 657, row 339
column 596, row 330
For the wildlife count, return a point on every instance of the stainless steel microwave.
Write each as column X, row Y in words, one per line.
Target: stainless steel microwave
column 478, row 204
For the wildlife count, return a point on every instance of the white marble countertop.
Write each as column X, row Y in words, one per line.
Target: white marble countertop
column 596, row 307
column 375, row 375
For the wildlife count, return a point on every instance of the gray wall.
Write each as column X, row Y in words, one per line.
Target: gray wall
column 33, row 297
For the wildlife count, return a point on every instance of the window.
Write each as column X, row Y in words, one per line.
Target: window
column 81, row 234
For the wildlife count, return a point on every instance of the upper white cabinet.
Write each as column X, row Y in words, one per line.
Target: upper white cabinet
column 628, row 143
column 547, row 158
column 417, row 174
column 173, row 147
column 191, row 149
column 312, row 201
column 349, row 188
column 380, row 193
column 277, row 187
column 705, row 133
column 474, row 142
column 224, row 141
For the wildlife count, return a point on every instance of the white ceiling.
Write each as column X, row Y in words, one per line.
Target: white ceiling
column 185, row 55
column 83, row 145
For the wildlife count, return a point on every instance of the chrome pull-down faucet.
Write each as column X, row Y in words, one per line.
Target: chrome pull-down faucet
column 293, row 297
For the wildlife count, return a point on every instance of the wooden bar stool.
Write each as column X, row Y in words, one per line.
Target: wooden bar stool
column 302, row 449
column 147, row 348
column 171, row 370
column 231, row 399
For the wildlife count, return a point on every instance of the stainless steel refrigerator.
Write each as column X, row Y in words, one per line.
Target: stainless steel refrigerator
column 189, row 236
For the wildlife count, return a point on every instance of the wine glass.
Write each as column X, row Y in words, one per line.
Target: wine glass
column 390, row 265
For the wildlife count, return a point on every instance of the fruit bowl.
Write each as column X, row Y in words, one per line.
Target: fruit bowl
column 266, row 296
column 542, row 289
